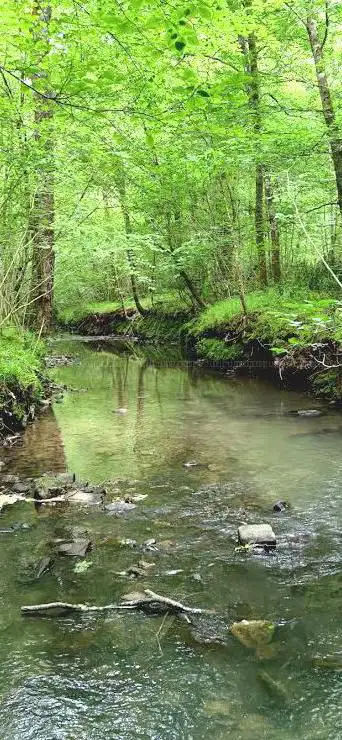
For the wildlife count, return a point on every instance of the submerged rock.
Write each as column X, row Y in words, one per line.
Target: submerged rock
column 119, row 508
column 44, row 566
column 254, row 633
column 194, row 464
column 328, row 662
column 257, row 534
column 307, row 412
column 77, row 548
column 59, row 360
column 135, row 597
column 280, row 506
column 273, row 687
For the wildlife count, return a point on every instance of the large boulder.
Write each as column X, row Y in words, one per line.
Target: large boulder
column 257, row 534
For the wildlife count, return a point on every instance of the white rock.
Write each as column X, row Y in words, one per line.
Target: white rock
column 257, row 534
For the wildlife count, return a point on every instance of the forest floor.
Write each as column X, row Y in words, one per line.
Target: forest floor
column 296, row 340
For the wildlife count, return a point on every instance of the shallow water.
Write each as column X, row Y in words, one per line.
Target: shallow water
column 89, row 678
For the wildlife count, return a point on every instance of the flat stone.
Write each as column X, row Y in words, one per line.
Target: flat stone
column 85, row 497
column 119, row 507
column 77, row 548
column 257, row 534
column 135, row 597
column 310, row 412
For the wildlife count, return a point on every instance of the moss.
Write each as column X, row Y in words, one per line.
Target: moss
column 328, row 384
column 218, row 349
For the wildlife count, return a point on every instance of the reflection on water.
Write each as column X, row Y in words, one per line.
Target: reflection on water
column 97, row 677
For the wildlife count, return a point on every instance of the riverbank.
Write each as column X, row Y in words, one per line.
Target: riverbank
column 296, row 342
column 22, row 383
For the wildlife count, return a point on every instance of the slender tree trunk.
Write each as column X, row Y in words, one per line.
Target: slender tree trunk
column 121, row 187
column 175, row 241
column 274, row 230
column 334, row 133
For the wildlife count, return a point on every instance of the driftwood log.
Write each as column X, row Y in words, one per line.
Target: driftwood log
column 148, row 602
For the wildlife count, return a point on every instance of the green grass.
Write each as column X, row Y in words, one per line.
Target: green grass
column 283, row 321
column 165, row 303
column 20, row 359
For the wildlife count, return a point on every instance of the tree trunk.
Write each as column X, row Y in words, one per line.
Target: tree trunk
column 249, row 49
column 174, row 240
column 121, row 187
column 259, row 224
column 274, row 230
column 42, row 217
column 334, row 134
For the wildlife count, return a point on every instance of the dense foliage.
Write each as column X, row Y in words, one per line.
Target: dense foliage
column 151, row 147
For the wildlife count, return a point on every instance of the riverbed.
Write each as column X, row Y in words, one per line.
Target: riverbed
column 141, row 423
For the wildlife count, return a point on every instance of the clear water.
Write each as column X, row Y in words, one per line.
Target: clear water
column 96, row 677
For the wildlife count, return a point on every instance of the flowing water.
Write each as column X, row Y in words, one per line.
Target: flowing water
column 127, row 675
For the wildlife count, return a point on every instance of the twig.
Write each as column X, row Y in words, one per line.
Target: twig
column 322, row 362
column 176, row 604
column 63, row 606
column 159, row 632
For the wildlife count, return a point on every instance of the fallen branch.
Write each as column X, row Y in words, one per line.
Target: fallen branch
column 176, row 604
column 149, row 604
column 59, row 608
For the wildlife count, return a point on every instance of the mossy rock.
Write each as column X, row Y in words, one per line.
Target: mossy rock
column 254, row 633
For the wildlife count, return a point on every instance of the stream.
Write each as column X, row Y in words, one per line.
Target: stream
column 137, row 422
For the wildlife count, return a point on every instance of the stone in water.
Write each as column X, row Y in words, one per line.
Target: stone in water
column 257, row 534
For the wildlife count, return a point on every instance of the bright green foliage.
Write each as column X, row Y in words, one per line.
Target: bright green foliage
column 20, row 359
column 154, row 144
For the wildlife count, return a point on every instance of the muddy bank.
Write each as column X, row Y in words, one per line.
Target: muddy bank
column 241, row 346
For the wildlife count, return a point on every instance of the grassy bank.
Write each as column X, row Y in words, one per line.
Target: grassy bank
column 295, row 338
column 21, row 389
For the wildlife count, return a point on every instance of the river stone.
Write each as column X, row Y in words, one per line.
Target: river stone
column 21, row 487
column 274, row 688
column 7, row 499
column 77, row 548
column 85, row 497
column 135, row 597
column 9, row 479
column 119, row 507
column 280, row 506
column 310, row 412
column 254, row 633
column 51, row 486
column 257, row 534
